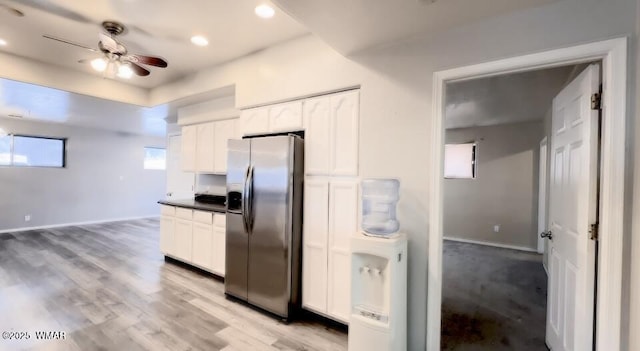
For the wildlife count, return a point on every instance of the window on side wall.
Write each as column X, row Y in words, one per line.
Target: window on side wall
column 460, row 161
column 155, row 158
column 32, row 151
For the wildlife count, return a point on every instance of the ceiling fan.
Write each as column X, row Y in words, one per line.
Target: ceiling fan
column 116, row 60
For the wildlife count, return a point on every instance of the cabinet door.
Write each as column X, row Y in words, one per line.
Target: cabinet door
column 344, row 133
column 184, row 239
column 188, row 150
column 317, row 124
column 205, row 149
column 343, row 223
column 285, row 117
column 219, row 250
column 224, row 131
column 254, row 121
column 167, row 229
column 202, row 244
column 314, row 239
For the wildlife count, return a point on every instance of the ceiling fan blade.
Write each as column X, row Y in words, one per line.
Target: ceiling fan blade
column 139, row 70
column 12, row 10
column 148, row 60
column 69, row 42
column 108, row 42
column 52, row 8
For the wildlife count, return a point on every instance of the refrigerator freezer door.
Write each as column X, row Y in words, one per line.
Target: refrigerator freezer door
column 270, row 238
column 237, row 253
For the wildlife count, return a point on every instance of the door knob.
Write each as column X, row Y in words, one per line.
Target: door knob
column 547, row 234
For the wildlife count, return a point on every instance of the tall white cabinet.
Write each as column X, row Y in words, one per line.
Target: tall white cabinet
column 331, row 218
column 331, row 200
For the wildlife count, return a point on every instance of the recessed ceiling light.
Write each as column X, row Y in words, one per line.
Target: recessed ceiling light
column 199, row 40
column 3, row 42
column 265, row 11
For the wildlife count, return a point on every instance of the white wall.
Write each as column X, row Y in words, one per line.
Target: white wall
column 505, row 190
column 104, row 179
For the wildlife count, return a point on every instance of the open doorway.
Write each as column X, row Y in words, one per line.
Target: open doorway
column 495, row 292
column 605, row 334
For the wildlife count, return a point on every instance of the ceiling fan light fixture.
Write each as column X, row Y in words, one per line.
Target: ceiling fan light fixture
column 265, row 11
column 125, row 71
column 99, row 64
column 199, row 40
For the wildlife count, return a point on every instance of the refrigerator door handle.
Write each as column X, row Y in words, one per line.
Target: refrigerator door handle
column 245, row 201
column 250, row 214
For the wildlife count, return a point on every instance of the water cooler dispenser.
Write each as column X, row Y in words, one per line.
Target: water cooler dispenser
column 378, row 294
column 378, row 320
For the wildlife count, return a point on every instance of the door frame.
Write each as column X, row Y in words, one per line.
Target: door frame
column 542, row 192
column 613, row 53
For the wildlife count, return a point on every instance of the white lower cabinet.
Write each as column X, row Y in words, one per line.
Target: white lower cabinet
column 184, row 239
column 167, row 230
column 218, row 242
column 194, row 237
column 202, row 244
column 330, row 219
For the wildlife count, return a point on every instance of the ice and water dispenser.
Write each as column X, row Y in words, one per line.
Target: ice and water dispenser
column 378, row 273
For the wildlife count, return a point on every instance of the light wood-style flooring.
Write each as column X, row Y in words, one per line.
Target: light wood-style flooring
column 108, row 287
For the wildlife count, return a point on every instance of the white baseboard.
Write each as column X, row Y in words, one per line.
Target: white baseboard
column 485, row 243
column 24, row 229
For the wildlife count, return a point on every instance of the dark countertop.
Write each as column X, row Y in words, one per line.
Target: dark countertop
column 196, row 205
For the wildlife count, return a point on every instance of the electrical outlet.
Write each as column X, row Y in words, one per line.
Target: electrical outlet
column 496, row 228
column 27, row 218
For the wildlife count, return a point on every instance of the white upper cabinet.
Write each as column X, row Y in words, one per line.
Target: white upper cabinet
column 205, row 155
column 188, row 149
column 204, row 146
column 317, row 124
column 255, row 121
column 224, row 130
column 331, row 125
column 345, row 111
column 285, row 117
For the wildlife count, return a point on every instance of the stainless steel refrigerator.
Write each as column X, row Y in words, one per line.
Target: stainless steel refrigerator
column 264, row 222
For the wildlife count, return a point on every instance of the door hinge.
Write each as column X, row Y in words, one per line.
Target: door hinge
column 593, row 231
column 596, row 101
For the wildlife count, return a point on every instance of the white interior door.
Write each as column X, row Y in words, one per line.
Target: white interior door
column 573, row 204
column 542, row 195
column 179, row 184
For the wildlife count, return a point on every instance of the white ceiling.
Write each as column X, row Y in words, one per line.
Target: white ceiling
column 159, row 28
column 352, row 25
column 511, row 98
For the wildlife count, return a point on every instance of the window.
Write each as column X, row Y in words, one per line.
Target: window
column 155, row 158
column 460, row 161
column 31, row 151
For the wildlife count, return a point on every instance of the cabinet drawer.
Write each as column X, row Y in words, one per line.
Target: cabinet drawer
column 184, row 213
column 167, row 210
column 219, row 220
column 203, row 217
